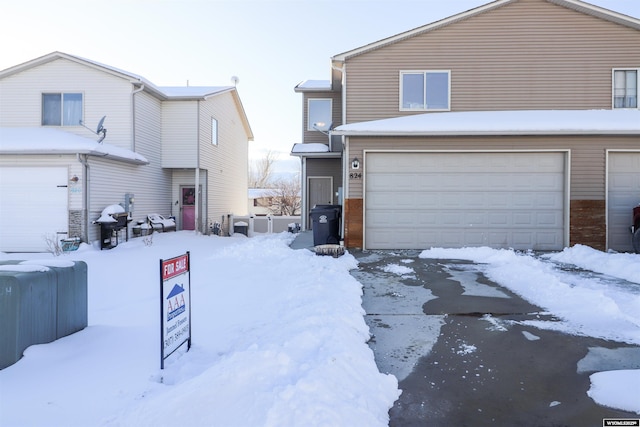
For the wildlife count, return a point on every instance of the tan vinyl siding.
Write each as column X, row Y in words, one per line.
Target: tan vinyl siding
column 103, row 95
column 587, row 166
column 179, row 134
column 336, row 114
column 528, row 54
column 226, row 162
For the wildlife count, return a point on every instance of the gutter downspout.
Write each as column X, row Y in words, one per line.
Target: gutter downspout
column 303, row 190
column 133, row 116
column 197, row 172
column 345, row 153
column 85, row 189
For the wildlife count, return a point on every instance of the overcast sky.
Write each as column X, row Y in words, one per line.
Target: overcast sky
column 270, row 45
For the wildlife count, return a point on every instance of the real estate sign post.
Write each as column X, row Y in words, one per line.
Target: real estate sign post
column 175, row 305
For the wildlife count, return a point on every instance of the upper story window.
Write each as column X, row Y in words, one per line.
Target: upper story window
column 625, row 88
column 61, row 109
column 214, row 131
column 319, row 114
column 425, row 90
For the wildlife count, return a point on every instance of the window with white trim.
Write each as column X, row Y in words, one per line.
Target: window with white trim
column 625, row 88
column 61, row 109
column 319, row 114
column 214, row 131
column 428, row 90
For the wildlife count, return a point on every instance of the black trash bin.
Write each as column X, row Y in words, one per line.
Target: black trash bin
column 326, row 224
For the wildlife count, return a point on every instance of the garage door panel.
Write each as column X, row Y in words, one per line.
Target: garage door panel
column 33, row 207
column 622, row 195
column 468, row 199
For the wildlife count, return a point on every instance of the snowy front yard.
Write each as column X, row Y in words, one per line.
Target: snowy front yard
column 278, row 336
column 278, row 339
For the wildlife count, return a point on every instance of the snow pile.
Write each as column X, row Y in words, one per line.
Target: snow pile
column 278, row 338
column 400, row 270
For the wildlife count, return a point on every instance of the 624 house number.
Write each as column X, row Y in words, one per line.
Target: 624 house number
column 355, row 175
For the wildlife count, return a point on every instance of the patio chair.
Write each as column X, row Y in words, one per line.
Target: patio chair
column 160, row 223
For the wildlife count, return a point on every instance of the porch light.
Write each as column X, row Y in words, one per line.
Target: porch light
column 355, row 163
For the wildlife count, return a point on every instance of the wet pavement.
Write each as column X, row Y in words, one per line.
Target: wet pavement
column 454, row 341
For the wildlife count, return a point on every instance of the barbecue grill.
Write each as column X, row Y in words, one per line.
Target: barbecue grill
column 112, row 220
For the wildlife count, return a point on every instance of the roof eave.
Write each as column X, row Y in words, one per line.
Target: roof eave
column 577, row 5
column 488, row 133
column 75, row 152
column 417, row 31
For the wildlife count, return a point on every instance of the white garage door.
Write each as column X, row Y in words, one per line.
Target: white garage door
column 500, row 200
column 33, row 204
column 623, row 195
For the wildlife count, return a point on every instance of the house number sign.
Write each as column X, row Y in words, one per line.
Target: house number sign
column 355, row 175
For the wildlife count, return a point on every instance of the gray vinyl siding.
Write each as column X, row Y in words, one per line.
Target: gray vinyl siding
column 587, row 167
column 109, row 181
column 309, row 136
column 528, row 54
column 327, row 167
column 226, row 162
column 103, row 95
column 180, row 134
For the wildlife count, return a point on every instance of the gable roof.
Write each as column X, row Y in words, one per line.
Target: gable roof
column 53, row 56
column 164, row 93
column 576, row 5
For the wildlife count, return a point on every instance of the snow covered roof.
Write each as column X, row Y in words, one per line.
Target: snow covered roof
column 257, row 193
column 313, row 86
column 538, row 122
column 44, row 140
column 188, row 92
column 315, row 149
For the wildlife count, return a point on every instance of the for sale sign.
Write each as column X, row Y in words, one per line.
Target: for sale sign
column 175, row 305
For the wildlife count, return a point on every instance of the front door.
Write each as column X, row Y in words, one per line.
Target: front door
column 320, row 193
column 188, row 208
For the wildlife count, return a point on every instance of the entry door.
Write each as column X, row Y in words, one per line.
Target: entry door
column 188, row 208
column 320, row 193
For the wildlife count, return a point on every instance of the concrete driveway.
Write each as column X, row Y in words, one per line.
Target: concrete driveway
column 453, row 340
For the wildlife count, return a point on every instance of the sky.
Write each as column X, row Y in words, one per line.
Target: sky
column 274, row 349
column 270, row 45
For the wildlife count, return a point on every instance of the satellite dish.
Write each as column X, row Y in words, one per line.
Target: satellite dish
column 235, row 80
column 100, row 123
column 99, row 130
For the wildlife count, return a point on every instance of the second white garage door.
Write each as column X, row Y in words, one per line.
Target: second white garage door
column 501, row 200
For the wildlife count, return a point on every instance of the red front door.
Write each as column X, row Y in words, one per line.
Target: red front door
column 188, row 208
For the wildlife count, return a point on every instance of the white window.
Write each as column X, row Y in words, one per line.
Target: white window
column 214, row 131
column 425, row 90
column 625, row 88
column 319, row 114
column 61, row 109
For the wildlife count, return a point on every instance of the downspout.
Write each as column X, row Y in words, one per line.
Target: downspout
column 133, row 116
column 345, row 147
column 85, row 191
column 303, row 186
column 197, row 178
